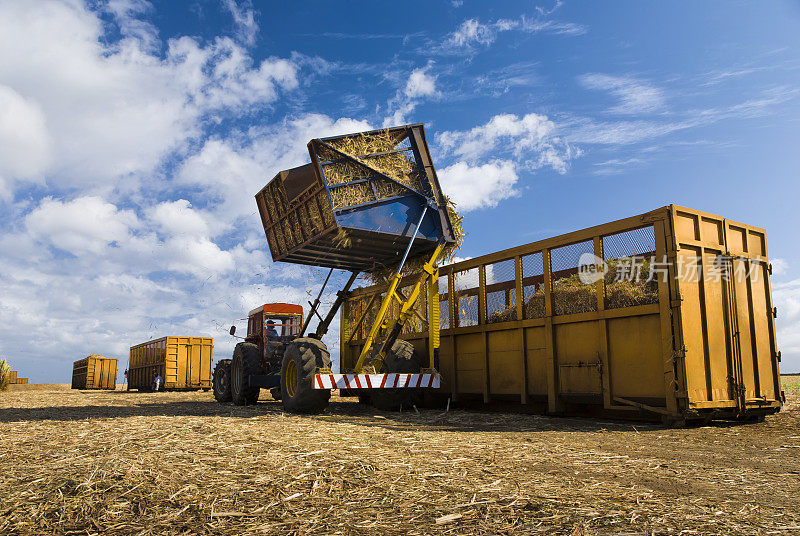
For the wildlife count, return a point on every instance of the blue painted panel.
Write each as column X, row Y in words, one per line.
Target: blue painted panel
column 397, row 217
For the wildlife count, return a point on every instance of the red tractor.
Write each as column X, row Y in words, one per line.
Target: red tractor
column 274, row 356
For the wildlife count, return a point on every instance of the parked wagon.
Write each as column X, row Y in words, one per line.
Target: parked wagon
column 94, row 372
column 666, row 314
column 183, row 363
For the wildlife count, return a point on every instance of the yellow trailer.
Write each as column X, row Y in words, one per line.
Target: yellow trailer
column 12, row 377
column 22, row 381
column 182, row 363
column 94, row 372
column 667, row 314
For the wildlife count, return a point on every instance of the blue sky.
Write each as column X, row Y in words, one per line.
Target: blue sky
column 134, row 134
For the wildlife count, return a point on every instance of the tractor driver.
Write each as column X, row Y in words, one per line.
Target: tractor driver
column 272, row 333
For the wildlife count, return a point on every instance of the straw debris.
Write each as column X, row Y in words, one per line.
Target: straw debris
column 117, row 463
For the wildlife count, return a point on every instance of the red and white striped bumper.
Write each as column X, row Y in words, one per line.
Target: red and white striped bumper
column 375, row 381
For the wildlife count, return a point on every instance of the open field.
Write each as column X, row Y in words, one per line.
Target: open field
column 94, row 462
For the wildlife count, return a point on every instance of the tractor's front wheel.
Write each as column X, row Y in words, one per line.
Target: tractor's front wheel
column 301, row 360
column 245, row 363
column 222, row 381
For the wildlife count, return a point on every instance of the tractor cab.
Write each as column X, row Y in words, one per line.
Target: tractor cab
column 274, row 323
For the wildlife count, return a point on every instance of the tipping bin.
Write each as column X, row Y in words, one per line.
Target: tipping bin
column 358, row 202
column 182, row 363
column 94, row 372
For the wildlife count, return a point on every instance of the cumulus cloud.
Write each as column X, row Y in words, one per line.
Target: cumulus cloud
column 178, row 218
column 84, row 225
column 474, row 187
column 112, row 111
column 635, row 96
column 420, row 85
column 531, row 139
column 245, row 19
column 24, row 140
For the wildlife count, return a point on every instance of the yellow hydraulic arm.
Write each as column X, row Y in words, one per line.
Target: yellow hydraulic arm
column 430, row 275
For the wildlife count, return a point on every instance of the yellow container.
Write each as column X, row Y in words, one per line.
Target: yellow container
column 12, row 376
column 681, row 346
column 94, row 372
column 182, row 363
column 22, row 381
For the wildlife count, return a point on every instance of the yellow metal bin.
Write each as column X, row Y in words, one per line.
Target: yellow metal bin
column 95, row 372
column 182, row 363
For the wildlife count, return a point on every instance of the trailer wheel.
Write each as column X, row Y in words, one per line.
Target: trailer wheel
column 222, row 381
column 300, row 363
column 403, row 359
column 245, row 363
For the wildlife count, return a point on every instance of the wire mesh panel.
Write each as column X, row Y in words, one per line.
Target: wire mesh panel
column 466, row 296
column 501, row 292
column 418, row 319
column 444, row 304
column 570, row 294
column 533, row 286
column 629, row 257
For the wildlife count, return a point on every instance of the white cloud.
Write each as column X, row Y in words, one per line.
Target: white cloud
column 244, row 17
column 472, row 32
column 84, row 225
column 786, row 296
column 531, row 139
column 779, row 266
column 113, row 111
column 635, row 96
column 419, row 85
column 178, row 218
column 198, row 256
column 474, row 187
column 24, row 140
column 229, row 172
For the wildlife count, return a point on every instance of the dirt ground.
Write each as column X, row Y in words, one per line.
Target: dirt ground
column 82, row 462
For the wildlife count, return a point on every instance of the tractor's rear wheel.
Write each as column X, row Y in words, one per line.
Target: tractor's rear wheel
column 402, row 359
column 222, row 381
column 301, row 360
column 245, row 363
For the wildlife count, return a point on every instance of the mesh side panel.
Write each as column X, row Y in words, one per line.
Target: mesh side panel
column 570, row 294
column 533, row 286
column 415, row 324
column 372, row 313
column 315, row 218
column 354, row 313
column 628, row 259
column 466, row 296
column 325, row 205
column 444, row 304
column 501, row 292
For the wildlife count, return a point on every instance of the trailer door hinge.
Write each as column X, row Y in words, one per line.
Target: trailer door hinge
column 774, row 312
column 778, row 356
column 769, row 268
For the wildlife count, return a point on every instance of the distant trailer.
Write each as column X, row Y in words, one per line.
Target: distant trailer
column 184, row 363
column 12, row 377
column 21, row 381
column 94, row 372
